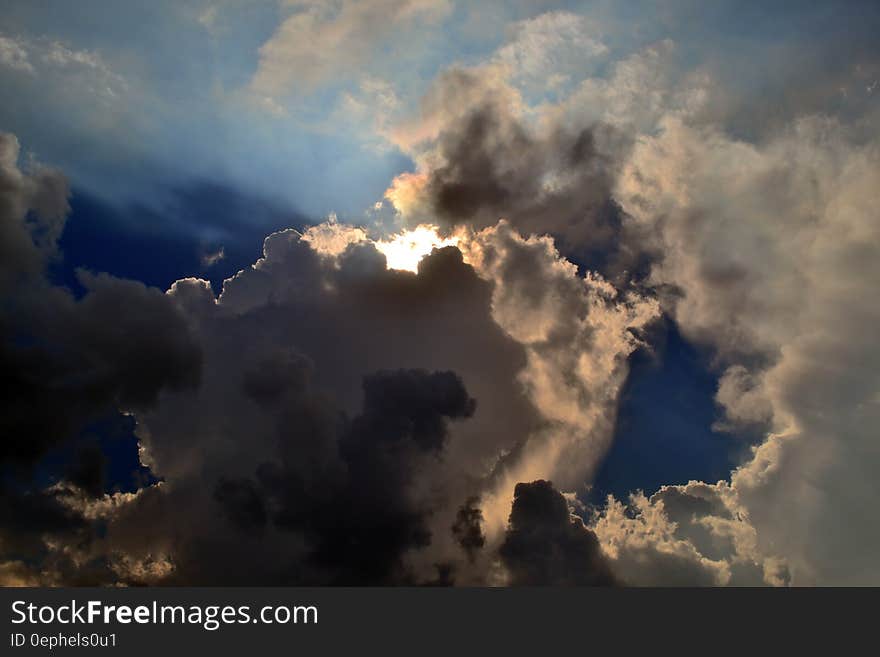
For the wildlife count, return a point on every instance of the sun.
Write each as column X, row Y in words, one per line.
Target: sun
column 405, row 250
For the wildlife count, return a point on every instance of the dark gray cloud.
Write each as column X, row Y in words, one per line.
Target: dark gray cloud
column 87, row 470
column 67, row 362
column 361, row 425
column 361, row 526
column 493, row 165
column 71, row 361
column 467, row 528
column 546, row 545
column 345, row 415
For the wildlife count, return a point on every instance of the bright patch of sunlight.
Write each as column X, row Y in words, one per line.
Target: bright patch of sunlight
column 405, row 250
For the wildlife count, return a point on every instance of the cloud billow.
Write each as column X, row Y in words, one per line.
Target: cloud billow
column 325, row 419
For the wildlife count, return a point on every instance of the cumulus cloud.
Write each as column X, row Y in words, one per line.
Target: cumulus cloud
column 773, row 249
column 486, row 149
column 332, row 417
column 387, row 412
column 577, row 334
column 482, row 160
column 763, row 251
column 343, row 380
column 546, row 545
column 691, row 535
column 327, row 418
column 67, row 358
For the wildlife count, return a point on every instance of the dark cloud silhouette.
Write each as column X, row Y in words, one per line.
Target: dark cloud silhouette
column 546, row 545
column 494, row 168
column 88, row 470
column 370, row 521
column 410, row 405
column 344, row 413
column 492, row 165
column 26, row 517
column 467, row 528
column 67, row 362
column 71, row 361
column 358, row 521
column 242, row 502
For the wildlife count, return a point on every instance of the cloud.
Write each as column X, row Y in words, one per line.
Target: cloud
column 55, row 59
column 547, row 546
column 484, row 150
column 117, row 347
column 467, row 528
column 14, row 55
column 690, row 535
column 388, row 414
column 369, row 111
column 332, row 238
column 359, row 522
column 328, row 419
column 483, row 160
column 360, row 432
column 773, row 249
column 321, row 42
column 68, row 361
column 211, row 258
column 33, row 206
column 547, row 50
column 640, row 90
column 577, row 334
column 762, row 251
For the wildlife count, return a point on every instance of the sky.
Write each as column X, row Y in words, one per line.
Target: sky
column 439, row 292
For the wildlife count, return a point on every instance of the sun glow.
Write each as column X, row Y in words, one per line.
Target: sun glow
column 405, row 250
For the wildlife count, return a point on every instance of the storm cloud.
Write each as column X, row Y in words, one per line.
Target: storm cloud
column 68, row 361
column 385, row 399
column 487, row 162
column 326, row 419
column 546, row 545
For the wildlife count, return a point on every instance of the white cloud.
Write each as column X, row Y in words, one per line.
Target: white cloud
column 695, row 534
column 546, row 52
column 577, row 333
column 70, row 66
column 776, row 249
column 542, row 349
column 325, row 41
column 14, row 55
column 771, row 251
